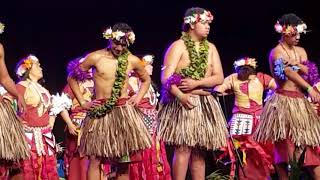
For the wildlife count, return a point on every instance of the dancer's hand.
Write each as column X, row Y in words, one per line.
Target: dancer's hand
column 315, row 96
column 22, row 107
column 86, row 105
column 134, row 100
column 185, row 100
column 188, row 84
column 72, row 129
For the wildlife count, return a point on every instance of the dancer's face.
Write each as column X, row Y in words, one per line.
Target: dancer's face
column 292, row 39
column 36, row 70
column 117, row 48
column 201, row 29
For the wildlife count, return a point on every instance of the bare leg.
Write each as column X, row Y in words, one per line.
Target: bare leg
column 180, row 162
column 316, row 172
column 282, row 172
column 83, row 162
column 94, row 169
column 197, row 165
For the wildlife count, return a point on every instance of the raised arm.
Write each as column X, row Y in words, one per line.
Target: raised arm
column 73, row 83
column 144, row 78
column 8, row 83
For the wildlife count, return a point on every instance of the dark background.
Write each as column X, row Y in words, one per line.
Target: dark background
column 58, row 31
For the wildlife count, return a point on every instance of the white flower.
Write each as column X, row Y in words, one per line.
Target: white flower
column 118, row 35
column 60, row 103
column 107, row 34
column 189, row 20
column 108, row 31
column 131, row 37
column 20, row 71
column 1, row 28
column 148, row 58
column 204, row 17
column 301, row 28
column 278, row 27
column 33, row 58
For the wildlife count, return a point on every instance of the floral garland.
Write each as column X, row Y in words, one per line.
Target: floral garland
column 245, row 61
column 25, row 64
column 2, row 26
column 206, row 16
column 198, row 61
column 289, row 29
column 129, row 37
column 102, row 110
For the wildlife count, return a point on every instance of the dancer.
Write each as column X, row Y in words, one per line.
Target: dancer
column 154, row 164
column 12, row 141
column 114, row 128
column 248, row 86
column 190, row 118
column 288, row 118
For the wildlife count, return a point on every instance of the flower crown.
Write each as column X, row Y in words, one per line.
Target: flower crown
column 118, row 35
column 25, row 65
column 2, row 26
column 148, row 59
column 289, row 29
column 206, row 16
column 245, row 61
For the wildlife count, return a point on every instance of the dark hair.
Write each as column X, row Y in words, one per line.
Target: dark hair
column 190, row 12
column 290, row 19
column 244, row 72
column 123, row 27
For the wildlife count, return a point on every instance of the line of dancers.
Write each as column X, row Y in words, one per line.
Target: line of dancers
column 117, row 129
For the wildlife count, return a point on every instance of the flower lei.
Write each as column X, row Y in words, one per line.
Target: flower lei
column 118, row 35
column 289, row 30
column 279, row 69
column 198, row 61
column 245, row 61
column 102, row 110
column 2, row 26
column 206, row 16
column 25, row 65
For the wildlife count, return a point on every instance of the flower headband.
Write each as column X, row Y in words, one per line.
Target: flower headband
column 289, row 30
column 148, row 59
column 245, row 61
column 1, row 28
column 26, row 64
column 206, row 16
column 118, row 35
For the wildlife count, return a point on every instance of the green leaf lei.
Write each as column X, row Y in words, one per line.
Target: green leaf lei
column 198, row 61
column 121, row 74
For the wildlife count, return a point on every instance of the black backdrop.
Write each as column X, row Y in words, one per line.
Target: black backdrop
column 58, row 31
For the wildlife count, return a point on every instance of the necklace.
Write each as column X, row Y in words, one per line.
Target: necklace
column 285, row 50
column 40, row 91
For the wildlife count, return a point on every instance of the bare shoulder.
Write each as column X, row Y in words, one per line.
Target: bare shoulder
column 300, row 49
column 133, row 59
column 95, row 55
column 1, row 49
column 275, row 53
column 177, row 45
column 212, row 46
